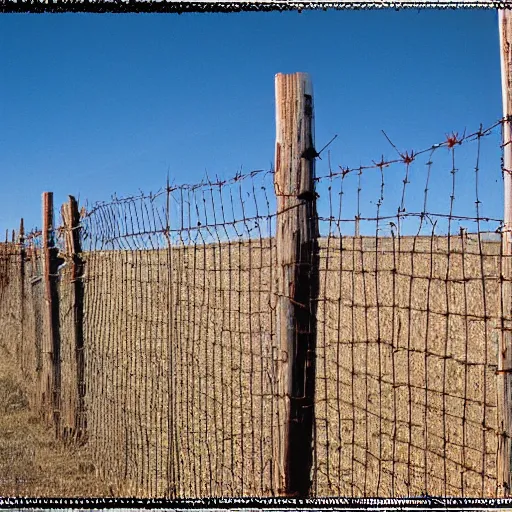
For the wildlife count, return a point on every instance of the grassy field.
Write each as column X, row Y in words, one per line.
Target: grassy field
column 407, row 354
column 32, row 462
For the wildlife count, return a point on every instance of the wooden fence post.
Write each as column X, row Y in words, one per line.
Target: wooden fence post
column 504, row 462
column 21, row 242
column 71, row 217
column 297, row 268
column 51, row 343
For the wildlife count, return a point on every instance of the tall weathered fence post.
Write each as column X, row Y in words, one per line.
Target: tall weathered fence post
column 505, row 352
column 51, row 342
column 71, row 217
column 297, row 260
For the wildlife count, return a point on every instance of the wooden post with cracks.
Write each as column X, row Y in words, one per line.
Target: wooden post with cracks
column 504, row 461
column 73, row 249
column 50, row 374
column 297, row 275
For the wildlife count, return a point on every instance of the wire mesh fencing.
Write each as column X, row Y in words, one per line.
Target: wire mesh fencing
column 22, row 299
column 178, row 334
column 10, row 299
column 174, row 375
column 409, row 320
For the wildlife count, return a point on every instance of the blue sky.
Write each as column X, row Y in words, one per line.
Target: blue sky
column 96, row 104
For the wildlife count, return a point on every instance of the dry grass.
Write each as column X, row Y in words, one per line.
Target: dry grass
column 32, row 462
column 406, row 360
column 406, row 392
column 198, row 354
column 180, row 369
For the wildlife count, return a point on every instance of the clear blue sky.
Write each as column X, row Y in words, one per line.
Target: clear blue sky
column 96, row 104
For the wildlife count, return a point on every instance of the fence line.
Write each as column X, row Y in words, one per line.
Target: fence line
column 169, row 351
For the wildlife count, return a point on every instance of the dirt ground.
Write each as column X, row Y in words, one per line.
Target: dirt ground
column 32, row 462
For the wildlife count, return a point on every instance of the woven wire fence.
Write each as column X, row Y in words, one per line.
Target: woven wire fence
column 10, row 299
column 179, row 330
column 34, row 319
column 22, row 319
column 409, row 319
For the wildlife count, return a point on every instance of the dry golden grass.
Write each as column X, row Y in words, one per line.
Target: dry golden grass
column 214, row 334
column 406, row 360
column 32, row 462
column 181, row 369
column 405, row 404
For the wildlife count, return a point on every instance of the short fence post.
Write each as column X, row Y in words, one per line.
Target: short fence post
column 297, row 268
column 51, row 343
column 71, row 217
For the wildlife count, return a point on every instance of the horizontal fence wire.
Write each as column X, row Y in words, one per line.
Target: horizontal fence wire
column 409, row 319
column 180, row 381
